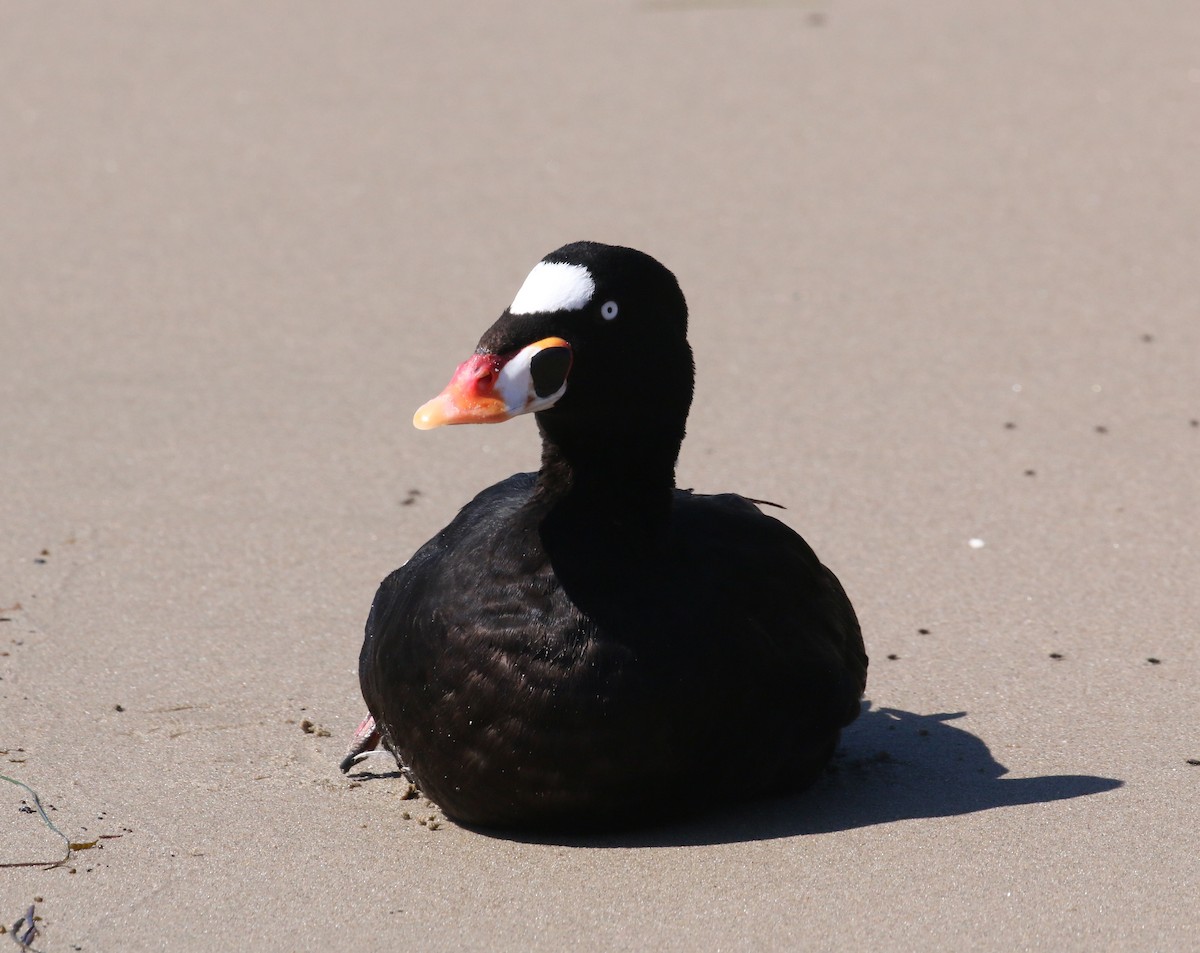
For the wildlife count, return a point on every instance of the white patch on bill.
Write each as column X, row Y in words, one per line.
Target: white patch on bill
column 554, row 286
column 516, row 388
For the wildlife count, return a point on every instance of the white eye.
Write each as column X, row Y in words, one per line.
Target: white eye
column 608, row 310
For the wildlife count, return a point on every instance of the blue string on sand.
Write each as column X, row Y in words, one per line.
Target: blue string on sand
column 37, row 802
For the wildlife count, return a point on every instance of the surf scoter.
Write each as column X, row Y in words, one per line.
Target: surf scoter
column 588, row 645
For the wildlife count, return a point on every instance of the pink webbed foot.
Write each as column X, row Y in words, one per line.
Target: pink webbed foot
column 363, row 745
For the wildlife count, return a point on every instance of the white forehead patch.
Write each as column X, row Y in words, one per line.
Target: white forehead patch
column 554, row 286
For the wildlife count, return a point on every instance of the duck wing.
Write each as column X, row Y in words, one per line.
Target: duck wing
column 779, row 627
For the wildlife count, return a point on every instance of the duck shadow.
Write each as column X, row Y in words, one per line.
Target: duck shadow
column 892, row 765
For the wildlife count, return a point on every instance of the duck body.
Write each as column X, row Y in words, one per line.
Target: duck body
column 587, row 645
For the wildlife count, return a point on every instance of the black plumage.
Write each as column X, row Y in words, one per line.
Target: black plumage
column 588, row 644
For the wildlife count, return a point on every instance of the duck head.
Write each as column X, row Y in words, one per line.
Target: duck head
column 596, row 338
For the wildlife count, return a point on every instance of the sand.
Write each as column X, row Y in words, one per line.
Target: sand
column 942, row 266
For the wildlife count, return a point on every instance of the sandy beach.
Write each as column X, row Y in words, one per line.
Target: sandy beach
column 941, row 261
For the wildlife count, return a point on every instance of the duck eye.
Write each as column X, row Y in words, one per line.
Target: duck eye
column 608, row 310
